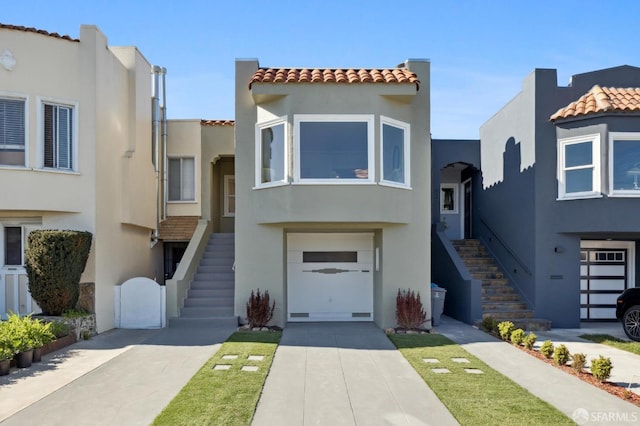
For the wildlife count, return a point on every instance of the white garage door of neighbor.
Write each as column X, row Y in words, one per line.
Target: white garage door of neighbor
column 330, row 277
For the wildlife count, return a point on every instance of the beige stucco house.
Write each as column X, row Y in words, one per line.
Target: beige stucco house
column 76, row 153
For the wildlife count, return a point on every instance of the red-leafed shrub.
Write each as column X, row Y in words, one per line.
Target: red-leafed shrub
column 409, row 311
column 259, row 309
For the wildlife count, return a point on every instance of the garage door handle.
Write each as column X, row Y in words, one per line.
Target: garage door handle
column 330, row 270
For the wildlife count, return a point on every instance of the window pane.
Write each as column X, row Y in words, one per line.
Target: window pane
column 626, row 165
column 334, row 150
column 393, row 153
column 13, row 245
column 330, row 256
column 578, row 154
column 579, row 180
column 12, row 132
column 174, row 179
column 272, row 140
column 64, row 141
column 48, row 136
column 188, row 179
column 448, row 199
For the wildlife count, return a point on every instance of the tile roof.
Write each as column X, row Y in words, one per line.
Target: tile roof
column 602, row 99
column 217, row 123
column 178, row 228
column 305, row 75
column 37, row 31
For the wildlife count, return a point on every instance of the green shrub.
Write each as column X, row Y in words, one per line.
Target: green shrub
column 259, row 309
column 517, row 336
column 54, row 261
column 601, row 368
column 530, row 340
column 40, row 333
column 18, row 329
column 489, row 324
column 547, row 349
column 561, row 355
column 60, row 329
column 505, row 328
column 72, row 313
column 409, row 311
column 578, row 362
column 7, row 341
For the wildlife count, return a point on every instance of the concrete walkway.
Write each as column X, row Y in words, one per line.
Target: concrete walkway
column 344, row 374
column 122, row 377
column 580, row 401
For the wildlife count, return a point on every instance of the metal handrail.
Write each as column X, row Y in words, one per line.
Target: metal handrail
column 506, row 246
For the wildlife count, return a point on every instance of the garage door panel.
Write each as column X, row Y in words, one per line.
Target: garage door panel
column 603, row 299
column 613, row 285
column 607, row 270
column 602, row 313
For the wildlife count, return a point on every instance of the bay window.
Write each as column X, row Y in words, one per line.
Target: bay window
column 579, row 167
column 271, row 153
column 624, row 164
column 395, row 152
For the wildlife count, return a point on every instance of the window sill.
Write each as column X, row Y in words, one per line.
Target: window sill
column 395, row 185
column 579, row 197
column 334, row 182
column 8, row 167
column 271, row 184
column 625, row 195
column 58, row 171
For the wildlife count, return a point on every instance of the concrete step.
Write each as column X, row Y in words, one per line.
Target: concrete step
column 225, row 254
column 467, row 242
column 209, row 302
column 217, row 261
column 214, row 276
column 497, row 289
column 208, row 269
column 501, row 297
column 178, row 322
column 212, row 285
column 495, row 305
column 206, row 312
column 476, row 261
column 489, row 275
column 213, row 292
column 495, row 282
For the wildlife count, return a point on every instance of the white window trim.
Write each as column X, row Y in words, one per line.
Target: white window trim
column 368, row 118
column 27, row 225
column 195, row 179
column 41, row 101
column 225, row 195
column 456, row 198
column 25, row 98
column 613, row 136
column 258, row 150
column 595, row 155
column 406, row 127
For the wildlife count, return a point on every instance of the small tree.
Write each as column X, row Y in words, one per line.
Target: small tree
column 409, row 311
column 54, row 262
column 259, row 309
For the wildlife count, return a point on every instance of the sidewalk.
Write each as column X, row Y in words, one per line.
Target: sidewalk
column 121, row 377
column 569, row 394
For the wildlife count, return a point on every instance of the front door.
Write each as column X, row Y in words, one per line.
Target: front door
column 223, row 195
column 330, row 277
column 467, row 209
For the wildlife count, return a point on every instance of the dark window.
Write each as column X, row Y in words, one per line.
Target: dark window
column 13, row 245
column 330, row 256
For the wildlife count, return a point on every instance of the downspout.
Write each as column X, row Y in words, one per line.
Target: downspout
column 155, row 114
column 165, row 162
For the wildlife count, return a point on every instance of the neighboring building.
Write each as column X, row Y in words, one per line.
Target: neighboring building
column 332, row 190
column 559, row 193
column 76, row 153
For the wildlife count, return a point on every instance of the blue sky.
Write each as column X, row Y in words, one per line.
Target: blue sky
column 480, row 51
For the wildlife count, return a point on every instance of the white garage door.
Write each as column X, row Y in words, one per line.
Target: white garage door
column 330, row 277
column 604, row 274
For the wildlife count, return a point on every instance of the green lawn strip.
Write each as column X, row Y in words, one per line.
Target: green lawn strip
column 474, row 399
column 605, row 339
column 224, row 397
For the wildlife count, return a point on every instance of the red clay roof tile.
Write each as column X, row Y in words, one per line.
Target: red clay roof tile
column 339, row 75
column 217, row 123
column 37, row 31
column 602, row 99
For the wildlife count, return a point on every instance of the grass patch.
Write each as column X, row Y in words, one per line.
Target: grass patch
column 605, row 339
column 224, row 397
column 474, row 399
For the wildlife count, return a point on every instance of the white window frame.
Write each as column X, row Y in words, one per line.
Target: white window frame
column 406, row 128
column 41, row 101
column 19, row 96
column 226, row 196
column 27, row 225
column 258, row 150
column 195, row 179
column 351, row 118
column 620, row 136
column 456, row 198
column 595, row 165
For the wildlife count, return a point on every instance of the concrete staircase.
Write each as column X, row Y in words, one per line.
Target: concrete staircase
column 499, row 299
column 210, row 299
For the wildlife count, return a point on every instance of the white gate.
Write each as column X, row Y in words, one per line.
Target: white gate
column 14, row 292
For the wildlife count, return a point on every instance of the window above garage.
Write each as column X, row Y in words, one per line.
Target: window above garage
column 624, row 164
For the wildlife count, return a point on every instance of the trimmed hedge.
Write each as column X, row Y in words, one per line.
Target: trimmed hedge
column 54, row 262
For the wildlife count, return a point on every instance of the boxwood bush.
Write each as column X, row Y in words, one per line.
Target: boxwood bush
column 54, row 261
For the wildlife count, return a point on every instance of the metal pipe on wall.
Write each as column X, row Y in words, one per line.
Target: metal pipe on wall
column 155, row 119
column 165, row 161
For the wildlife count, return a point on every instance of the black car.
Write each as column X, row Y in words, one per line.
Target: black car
column 628, row 310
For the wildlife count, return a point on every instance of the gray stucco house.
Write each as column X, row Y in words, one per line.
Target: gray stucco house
column 332, row 193
column 556, row 201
